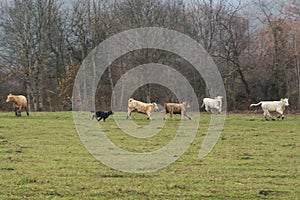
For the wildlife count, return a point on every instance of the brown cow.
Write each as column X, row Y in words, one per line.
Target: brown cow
column 141, row 107
column 19, row 102
column 176, row 108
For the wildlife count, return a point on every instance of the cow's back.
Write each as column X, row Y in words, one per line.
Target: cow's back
column 21, row 101
column 17, row 100
column 208, row 101
column 272, row 105
column 132, row 103
column 176, row 108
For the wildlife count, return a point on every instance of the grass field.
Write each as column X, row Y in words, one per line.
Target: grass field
column 41, row 156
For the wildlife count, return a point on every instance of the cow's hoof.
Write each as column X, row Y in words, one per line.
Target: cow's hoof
column 273, row 119
column 282, row 118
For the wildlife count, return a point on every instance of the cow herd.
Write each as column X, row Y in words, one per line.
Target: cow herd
column 211, row 105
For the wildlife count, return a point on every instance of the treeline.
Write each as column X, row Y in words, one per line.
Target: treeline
column 256, row 47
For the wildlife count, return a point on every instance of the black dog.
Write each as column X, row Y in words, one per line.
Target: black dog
column 102, row 115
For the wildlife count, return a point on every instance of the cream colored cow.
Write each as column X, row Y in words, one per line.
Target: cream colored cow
column 19, row 102
column 273, row 106
column 146, row 108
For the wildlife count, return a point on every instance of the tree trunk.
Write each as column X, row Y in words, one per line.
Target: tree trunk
column 297, row 67
column 122, row 86
column 110, row 80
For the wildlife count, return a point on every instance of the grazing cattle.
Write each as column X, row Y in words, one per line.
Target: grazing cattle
column 102, row 115
column 273, row 106
column 19, row 102
column 211, row 104
column 141, row 107
column 176, row 108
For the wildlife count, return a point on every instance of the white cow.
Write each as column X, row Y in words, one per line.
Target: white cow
column 211, row 104
column 273, row 106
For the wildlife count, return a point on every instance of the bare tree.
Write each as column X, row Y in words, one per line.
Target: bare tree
column 30, row 26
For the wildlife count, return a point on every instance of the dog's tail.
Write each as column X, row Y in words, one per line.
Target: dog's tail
column 257, row 104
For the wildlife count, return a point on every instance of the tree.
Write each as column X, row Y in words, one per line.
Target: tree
column 31, row 27
column 293, row 10
column 224, row 34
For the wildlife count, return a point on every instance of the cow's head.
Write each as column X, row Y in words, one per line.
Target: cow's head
column 155, row 106
column 219, row 98
column 10, row 98
column 186, row 104
column 285, row 101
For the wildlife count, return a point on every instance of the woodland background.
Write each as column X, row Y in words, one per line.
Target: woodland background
column 255, row 44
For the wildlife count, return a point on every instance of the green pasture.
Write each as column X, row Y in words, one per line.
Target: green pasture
column 41, row 156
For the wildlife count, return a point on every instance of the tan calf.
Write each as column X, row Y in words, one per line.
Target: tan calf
column 146, row 108
column 19, row 102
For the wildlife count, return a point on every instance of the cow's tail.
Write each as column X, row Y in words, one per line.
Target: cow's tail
column 27, row 107
column 129, row 101
column 257, row 104
column 202, row 104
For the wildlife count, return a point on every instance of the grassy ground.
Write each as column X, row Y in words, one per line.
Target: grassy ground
column 41, row 156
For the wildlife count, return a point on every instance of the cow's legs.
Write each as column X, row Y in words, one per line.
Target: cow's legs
column 149, row 115
column 129, row 113
column 207, row 109
column 171, row 115
column 27, row 111
column 184, row 114
column 268, row 115
column 280, row 114
column 17, row 111
column 164, row 117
